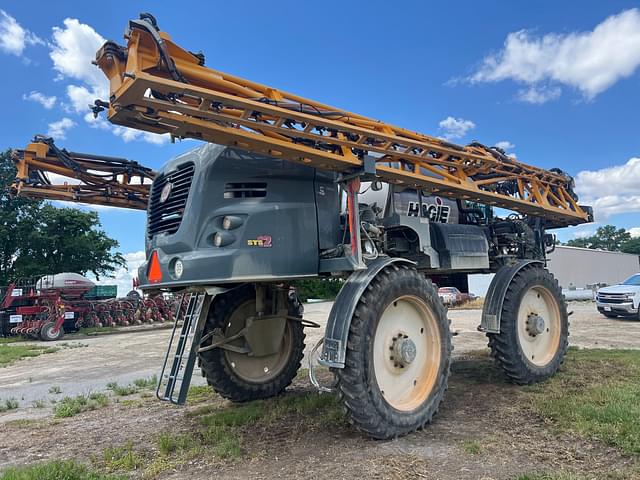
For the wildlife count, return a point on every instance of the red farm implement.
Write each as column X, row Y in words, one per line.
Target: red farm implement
column 45, row 307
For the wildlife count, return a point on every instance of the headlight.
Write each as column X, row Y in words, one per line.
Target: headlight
column 369, row 248
column 221, row 239
column 230, row 222
column 178, row 268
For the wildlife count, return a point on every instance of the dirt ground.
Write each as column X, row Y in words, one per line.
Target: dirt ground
column 479, row 407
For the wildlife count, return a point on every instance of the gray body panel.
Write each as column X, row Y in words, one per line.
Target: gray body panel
column 461, row 247
column 437, row 209
column 286, row 215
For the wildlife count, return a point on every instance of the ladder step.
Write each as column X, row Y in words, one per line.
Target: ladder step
column 182, row 351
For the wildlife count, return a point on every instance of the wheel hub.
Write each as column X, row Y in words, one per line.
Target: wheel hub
column 252, row 369
column 535, row 325
column 403, row 351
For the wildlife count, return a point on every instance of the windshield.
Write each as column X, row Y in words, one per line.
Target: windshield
column 633, row 280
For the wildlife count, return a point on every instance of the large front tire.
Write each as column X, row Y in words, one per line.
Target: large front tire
column 534, row 327
column 398, row 355
column 239, row 377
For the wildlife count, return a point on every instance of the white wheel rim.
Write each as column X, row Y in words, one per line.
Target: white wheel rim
column 539, row 343
column 407, row 387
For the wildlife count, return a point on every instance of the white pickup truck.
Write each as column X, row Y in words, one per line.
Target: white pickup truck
column 621, row 300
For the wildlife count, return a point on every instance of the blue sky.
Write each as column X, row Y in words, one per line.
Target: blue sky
column 557, row 80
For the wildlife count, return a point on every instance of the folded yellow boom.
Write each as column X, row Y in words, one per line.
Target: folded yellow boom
column 157, row 86
column 46, row 171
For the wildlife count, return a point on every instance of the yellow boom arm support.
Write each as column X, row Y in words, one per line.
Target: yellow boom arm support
column 157, row 86
column 46, row 171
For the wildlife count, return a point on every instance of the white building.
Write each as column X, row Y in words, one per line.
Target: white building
column 577, row 267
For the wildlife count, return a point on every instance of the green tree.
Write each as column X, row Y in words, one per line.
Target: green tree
column 631, row 246
column 321, row 288
column 606, row 238
column 17, row 219
column 36, row 237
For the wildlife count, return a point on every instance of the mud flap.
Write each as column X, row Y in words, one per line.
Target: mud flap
column 335, row 335
column 492, row 309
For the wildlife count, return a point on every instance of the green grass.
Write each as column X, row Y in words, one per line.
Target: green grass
column 55, row 389
column 10, row 353
column 122, row 458
column 70, row 406
column 169, row 442
column 130, row 403
column 122, row 390
column 321, row 409
column 150, row 382
column 55, row 470
column 222, row 430
column 38, row 403
column 224, row 441
column 597, row 394
column 137, row 385
column 311, row 407
column 199, row 394
column 22, row 423
column 549, row 476
column 8, row 404
column 472, row 447
column 235, row 416
column 16, row 339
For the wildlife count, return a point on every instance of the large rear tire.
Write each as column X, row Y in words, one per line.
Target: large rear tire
column 534, row 327
column 239, row 377
column 398, row 355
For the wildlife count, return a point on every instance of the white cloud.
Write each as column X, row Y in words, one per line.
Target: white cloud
column 58, row 130
column 590, row 61
column 13, row 37
column 124, row 276
column 82, row 97
column 635, row 232
column 46, row 101
column 538, row 94
column 130, row 134
column 611, row 190
column 584, row 233
column 73, row 48
column 505, row 145
column 453, row 128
